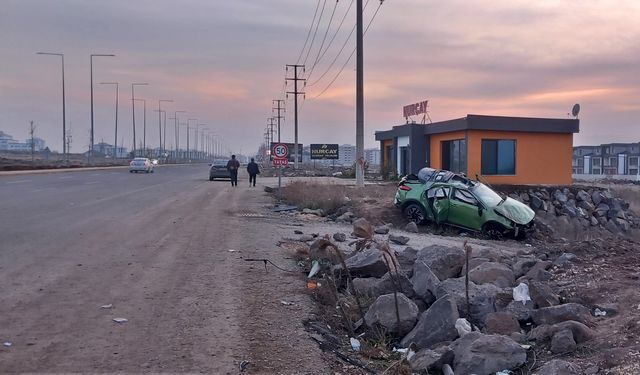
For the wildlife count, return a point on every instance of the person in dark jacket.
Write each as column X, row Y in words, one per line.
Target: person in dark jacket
column 254, row 171
column 232, row 167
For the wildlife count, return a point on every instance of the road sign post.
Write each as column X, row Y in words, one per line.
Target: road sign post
column 280, row 151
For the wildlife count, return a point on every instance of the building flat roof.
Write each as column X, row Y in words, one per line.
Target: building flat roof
column 483, row 122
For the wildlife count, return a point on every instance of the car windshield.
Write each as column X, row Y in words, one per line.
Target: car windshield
column 485, row 195
column 219, row 163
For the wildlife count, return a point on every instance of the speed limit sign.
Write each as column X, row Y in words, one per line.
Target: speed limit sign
column 280, row 150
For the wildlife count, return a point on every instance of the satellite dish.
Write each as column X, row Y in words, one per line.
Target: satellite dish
column 575, row 110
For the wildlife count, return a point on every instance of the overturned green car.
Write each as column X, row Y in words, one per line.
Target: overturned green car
column 444, row 197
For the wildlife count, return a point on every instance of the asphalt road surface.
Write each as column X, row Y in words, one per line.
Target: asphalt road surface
column 156, row 248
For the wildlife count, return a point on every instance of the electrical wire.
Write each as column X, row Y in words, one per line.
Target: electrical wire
column 309, row 32
column 315, row 32
column 344, row 45
column 350, row 56
column 346, row 13
column 324, row 39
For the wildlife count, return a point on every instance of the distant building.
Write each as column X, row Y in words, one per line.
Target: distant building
column 346, row 155
column 616, row 160
column 372, row 156
column 108, row 150
column 7, row 143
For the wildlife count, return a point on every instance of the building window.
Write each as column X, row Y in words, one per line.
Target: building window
column 498, row 157
column 454, row 155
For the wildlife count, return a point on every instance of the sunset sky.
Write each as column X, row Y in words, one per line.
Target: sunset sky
column 223, row 62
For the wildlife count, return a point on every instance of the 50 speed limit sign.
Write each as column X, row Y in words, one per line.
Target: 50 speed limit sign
column 280, row 150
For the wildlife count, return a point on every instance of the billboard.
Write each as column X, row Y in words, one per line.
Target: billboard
column 291, row 151
column 324, row 151
column 415, row 109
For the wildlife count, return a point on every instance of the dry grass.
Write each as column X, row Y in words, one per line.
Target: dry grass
column 315, row 196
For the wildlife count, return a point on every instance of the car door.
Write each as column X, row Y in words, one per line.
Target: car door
column 465, row 210
column 438, row 202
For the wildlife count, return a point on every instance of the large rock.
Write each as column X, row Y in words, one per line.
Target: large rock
column 367, row 263
column 482, row 298
column 537, row 203
column 481, row 354
column 427, row 360
column 411, row 227
column 384, row 229
column 582, row 195
column 558, row 367
column 399, row 240
column 445, row 262
column 436, row 325
column 581, row 333
column 542, row 295
column 406, row 259
column 521, row 311
column 522, row 266
column 362, row 228
column 561, row 313
column 560, row 197
column 562, row 342
column 597, row 197
column 502, row 323
column 374, row 287
column 425, row 283
column 383, row 313
column 492, row 273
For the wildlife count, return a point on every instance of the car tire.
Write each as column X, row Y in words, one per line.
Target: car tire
column 130, row 171
column 493, row 230
column 415, row 212
column 210, row 178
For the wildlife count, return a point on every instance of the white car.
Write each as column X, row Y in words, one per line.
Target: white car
column 141, row 165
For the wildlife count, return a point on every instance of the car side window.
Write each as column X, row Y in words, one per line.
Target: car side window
column 438, row 192
column 465, row 196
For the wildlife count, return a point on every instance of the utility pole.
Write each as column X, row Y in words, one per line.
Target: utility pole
column 133, row 112
column 160, row 124
column 359, row 98
column 32, row 132
column 271, row 130
column 279, row 103
column 295, row 93
column 188, row 152
column 115, row 140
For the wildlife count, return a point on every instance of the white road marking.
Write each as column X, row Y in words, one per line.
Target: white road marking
column 18, row 182
column 64, row 177
column 92, row 182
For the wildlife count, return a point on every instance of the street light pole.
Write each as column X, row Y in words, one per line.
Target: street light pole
column 133, row 111
column 144, row 126
column 160, row 121
column 202, row 139
column 188, row 153
column 64, row 120
column 177, row 132
column 91, row 73
column 115, row 140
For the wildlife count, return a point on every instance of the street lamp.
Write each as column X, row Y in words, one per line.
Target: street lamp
column 133, row 107
column 91, row 73
column 160, row 121
column 115, row 140
column 202, row 144
column 177, row 133
column 144, row 126
column 64, row 122
column 188, row 153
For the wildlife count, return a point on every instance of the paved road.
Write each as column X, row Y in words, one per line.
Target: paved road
column 156, row 247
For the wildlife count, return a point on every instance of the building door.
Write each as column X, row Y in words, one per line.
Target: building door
column 404, row 161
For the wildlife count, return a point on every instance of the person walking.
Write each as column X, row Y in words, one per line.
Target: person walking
column 232, row 167
column 254, row 171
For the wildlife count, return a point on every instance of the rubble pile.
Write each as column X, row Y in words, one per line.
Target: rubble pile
column 578, row 207
column 422, row 301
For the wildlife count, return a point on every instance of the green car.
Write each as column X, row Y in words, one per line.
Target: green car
column 444, row 197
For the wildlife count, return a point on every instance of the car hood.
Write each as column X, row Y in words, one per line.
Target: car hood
column 515, row 211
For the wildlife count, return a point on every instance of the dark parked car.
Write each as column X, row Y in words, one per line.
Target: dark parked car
column 218, row 169
column 453, row 199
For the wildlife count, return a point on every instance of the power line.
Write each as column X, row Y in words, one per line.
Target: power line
column 315, row 32
column 346, row 13
column 324, row 39
column 309, row 32
column 339, row 52
column 350, row 56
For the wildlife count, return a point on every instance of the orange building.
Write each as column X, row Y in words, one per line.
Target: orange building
column 496, row 149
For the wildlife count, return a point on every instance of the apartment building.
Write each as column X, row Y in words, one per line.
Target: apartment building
column 611, row 159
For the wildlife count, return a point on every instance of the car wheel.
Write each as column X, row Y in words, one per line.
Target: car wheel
column 493, row 231
column 130, row 171
column 415, row 212
column 210, row 178
column 152, row 171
